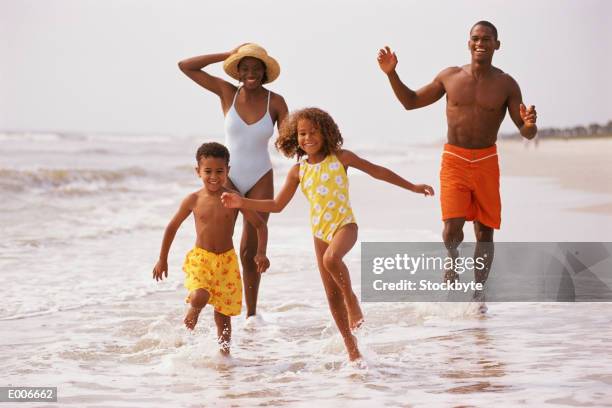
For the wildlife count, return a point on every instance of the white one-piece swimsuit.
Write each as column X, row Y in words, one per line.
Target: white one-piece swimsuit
column 248, row 147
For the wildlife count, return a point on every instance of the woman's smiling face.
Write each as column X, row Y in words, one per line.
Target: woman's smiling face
column 251, row 72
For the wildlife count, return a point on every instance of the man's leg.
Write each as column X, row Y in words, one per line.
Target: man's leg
column 453, row 236
column 484, row 249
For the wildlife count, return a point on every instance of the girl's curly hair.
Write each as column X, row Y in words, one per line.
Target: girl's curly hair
column 287, row 142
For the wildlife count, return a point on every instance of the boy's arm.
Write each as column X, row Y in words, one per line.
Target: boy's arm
column 350, row 159
column 233, row 200
column 261, row 260
column 161, row 267
column 430, row 93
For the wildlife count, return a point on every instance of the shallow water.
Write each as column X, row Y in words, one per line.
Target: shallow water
column 83, row 218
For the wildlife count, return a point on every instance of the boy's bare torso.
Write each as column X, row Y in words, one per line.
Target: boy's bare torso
column 475, row 108
column 214, row 223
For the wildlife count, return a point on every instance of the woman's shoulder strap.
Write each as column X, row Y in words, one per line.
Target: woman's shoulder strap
column 235, row 95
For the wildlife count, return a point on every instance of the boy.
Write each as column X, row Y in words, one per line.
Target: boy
column 211, row 268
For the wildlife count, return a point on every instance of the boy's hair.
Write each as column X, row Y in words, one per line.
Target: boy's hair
column 287, row 142
column 486, row 24
column 213, row 149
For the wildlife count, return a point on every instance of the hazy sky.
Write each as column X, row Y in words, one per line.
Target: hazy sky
column 110, row 66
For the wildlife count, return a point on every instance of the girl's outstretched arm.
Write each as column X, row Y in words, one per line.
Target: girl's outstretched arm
column 233, row 200
column 350, row 159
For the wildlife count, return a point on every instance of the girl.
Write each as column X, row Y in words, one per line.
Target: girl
column 322, row 176
column 250, row 114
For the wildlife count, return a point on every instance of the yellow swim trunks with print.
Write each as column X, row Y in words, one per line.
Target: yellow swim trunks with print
column 219, row 274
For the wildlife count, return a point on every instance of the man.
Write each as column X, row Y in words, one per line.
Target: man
column 477, row 97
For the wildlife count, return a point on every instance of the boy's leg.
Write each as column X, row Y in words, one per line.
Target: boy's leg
column 198, row 298
column 453, row 236
column 341, row 243
column 262, row 190
column 224, row 332
column 335, row 299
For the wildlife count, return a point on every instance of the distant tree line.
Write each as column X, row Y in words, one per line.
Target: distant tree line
column 576, row 132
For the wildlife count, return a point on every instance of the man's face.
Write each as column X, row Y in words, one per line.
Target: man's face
column 213, row 172
column 482, row 43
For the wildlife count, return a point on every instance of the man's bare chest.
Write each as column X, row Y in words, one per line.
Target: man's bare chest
column 486, row 94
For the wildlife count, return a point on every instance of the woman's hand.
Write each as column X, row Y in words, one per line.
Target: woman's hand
column 262, row 262
column 235, row 50
column 231, row 200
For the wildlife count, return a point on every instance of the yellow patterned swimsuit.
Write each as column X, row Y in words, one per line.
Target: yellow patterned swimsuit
column 325, row 185
column 219, row 274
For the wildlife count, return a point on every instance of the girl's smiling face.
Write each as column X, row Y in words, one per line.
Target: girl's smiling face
column 309, row 137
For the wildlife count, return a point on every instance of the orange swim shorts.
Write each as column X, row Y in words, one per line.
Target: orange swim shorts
column 469, row 185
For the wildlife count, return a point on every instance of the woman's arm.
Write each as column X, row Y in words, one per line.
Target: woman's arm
column 280, row 106
column 350, row 159
column 233, row 200
column 261, row 260
column 192, row 67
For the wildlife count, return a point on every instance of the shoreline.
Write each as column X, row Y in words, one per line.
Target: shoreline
column 580, row 166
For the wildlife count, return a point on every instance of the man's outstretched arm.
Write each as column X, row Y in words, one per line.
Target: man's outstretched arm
column 387, row 60
column 524, row 118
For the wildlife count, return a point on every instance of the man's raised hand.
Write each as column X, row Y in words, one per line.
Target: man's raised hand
column 387, row 60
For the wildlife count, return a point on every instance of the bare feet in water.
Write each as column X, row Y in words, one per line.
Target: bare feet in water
column 355, row 315
column 351, row 347
column 191, row 318
column 224, row 348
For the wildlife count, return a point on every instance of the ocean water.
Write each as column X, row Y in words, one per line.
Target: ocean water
column 82, row 218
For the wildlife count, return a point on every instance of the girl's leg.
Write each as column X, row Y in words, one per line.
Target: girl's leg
column 224, row 332
column 262, row 190
column 341, row 243
column 198, row 298
column 335, row 299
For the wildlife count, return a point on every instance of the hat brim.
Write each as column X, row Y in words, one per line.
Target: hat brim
column 230, row 65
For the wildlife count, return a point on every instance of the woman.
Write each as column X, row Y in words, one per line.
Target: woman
column 250, row 114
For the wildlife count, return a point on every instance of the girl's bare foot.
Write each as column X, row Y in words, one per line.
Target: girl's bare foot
column 351, row 347
column 355, row 315
column 191, row 318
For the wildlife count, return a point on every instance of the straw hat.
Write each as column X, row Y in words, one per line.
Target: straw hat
column 230, row 65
